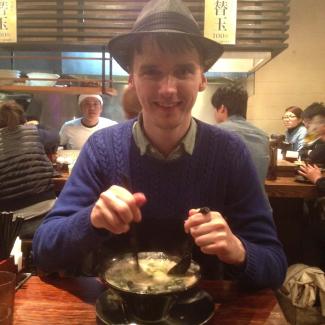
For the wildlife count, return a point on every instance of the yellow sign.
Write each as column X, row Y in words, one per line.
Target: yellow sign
column 8, row 21
column 220, row 20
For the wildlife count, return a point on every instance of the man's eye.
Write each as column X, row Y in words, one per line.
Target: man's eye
column 184, row 72
column 151, row 72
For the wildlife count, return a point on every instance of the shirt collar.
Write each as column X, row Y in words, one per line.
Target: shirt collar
column 186, row 144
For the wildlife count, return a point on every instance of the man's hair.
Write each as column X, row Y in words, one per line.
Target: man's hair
column 167, row 43
column 11, row 114
column 313, row 110
column 234, row 97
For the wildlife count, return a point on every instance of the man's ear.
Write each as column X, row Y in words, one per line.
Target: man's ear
column 223, row 110
column 130, row 81
column 203, row 82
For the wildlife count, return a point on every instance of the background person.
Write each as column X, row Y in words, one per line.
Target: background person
column 175, row 165
column 74, row 133
column 49, row 138
column 230, row 103
column 314, row 239
column 296, row 131
column 314, row 119
column 130, row 103
column 25, row 171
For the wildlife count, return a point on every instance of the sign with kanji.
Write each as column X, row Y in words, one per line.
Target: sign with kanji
column 220, row 20
column 8, row 21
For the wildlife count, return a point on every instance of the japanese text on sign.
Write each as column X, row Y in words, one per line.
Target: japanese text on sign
column 8, row 21
column 220, row 20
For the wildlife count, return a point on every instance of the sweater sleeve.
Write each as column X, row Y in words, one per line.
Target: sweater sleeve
column 66, row 236
column 250, row 218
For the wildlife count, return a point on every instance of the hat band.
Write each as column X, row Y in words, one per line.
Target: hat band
column 167, row 21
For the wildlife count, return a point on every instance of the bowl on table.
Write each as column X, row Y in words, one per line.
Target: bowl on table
column 42, row 75
column 7, row 76
column 148, row 295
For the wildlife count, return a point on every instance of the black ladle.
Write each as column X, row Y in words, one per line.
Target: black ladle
column 133, row 231
column 184, row 263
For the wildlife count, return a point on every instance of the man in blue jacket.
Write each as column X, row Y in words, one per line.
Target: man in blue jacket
column 174, row 164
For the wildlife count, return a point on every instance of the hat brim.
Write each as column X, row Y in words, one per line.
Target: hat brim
column 120, row 47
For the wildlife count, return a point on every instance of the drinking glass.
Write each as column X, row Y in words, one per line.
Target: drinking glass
column 7, row 297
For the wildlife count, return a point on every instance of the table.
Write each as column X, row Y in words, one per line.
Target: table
column 71, row 301
column 287, row 187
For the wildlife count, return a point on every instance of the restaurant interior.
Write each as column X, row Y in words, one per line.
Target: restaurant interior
column 278, row 57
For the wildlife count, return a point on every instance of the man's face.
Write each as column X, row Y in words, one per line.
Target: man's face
column 290, row 120
column 167, row 85
column 316, row 126
column 91, row 109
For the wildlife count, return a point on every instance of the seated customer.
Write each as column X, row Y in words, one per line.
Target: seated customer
column 314, row 239
column 296, row 131
column 130, row 103
column 25, row 171
column 49, row 138
column 314, row 119
column 175, row 165
column 230, row 103
column 75, row 133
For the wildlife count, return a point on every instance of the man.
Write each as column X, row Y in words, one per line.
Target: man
column 26, row 173
column 230, row 104
column 49, row 138
column 314, row 240
column 159, row 170
column 314, row 119
column 75, row 133
column 130, row 103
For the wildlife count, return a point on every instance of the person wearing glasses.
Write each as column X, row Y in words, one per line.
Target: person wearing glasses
column 296, row 131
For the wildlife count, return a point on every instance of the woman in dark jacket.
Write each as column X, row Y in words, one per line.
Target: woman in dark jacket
column 26, row 173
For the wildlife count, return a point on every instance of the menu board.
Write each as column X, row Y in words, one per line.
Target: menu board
column 8, row 21
column 220, row 20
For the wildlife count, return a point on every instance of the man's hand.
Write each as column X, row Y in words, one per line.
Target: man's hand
column 116, row 208
column 214, row 237
column 311, row 172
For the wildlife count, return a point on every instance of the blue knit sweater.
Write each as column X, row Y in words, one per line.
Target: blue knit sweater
column 219, row 174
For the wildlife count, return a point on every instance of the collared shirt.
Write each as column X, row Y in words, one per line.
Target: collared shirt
column 296, row 137
column 256, row 140
column 186, row 144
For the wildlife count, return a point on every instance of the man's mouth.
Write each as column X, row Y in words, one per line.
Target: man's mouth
column 167, row 105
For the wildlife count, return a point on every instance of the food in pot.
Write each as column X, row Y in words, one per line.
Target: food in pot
column 152, row 277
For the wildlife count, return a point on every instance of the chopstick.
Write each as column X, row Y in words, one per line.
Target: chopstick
column 9, row 230
column 133, row 231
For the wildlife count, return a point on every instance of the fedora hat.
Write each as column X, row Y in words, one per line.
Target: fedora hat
column 165, row 17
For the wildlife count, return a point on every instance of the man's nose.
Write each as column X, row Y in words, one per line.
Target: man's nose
column 168, row 84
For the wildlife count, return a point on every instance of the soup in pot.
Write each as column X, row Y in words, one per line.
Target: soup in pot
column 152, row 277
